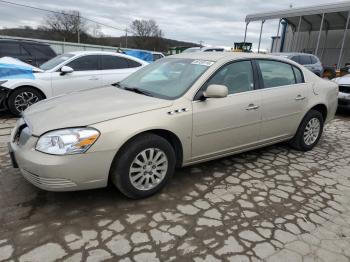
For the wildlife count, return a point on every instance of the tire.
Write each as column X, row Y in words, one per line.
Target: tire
column 25, row 96
column 307, row 135
column 129, row 181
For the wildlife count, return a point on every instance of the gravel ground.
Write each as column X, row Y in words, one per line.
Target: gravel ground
column 272, row 204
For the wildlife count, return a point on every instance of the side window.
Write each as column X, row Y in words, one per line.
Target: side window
column 24, row 51
column 114, row 62
column 296, row 59
column 85, row 63
column 298, row 75
column 276, row 73
column 10, row 49
column 237, row 76
column 133, row 63
column 305, row 60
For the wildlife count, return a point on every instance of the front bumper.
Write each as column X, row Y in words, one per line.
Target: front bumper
column 60, row 173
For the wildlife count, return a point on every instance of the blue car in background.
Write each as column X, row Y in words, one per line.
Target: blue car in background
column 148, row 56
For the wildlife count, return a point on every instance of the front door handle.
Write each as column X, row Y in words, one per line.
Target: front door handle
column 93, row 78
column 300, row 97
column 252, row 107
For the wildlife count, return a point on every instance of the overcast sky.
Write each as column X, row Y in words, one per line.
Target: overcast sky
column 214, row 22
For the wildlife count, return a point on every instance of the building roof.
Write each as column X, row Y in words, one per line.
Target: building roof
column 335, row 16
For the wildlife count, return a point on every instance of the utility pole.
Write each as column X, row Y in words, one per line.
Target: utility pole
column 78, row 27
column 126, row 38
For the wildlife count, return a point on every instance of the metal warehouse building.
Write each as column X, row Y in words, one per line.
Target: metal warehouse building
column 321, row 30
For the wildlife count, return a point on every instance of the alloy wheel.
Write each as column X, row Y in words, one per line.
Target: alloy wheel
column 148, row 169
column 24, row 100
column 312, row 131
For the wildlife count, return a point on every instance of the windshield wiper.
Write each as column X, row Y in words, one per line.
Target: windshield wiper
column 133, row 89
column 137, row 90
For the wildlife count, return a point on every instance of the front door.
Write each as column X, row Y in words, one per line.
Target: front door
column 86, row 75
column 223, row 125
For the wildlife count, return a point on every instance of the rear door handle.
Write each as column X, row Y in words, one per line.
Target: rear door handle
column 252, row 107
column 300, row 97
column 93, row 78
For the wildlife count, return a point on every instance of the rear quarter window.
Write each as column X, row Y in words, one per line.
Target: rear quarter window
column 314, row 60
column 299, row 78
column 133, row 63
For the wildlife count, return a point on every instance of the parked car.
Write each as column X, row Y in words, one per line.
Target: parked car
column 175, row 112
column 64, row 74
column 344, row 91
column 310, row 61
column 204, row 49
column 31, row 52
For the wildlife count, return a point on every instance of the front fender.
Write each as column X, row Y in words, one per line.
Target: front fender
column 43, row 85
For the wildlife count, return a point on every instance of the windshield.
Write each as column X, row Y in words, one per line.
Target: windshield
column 167, row 78
column 55, row 61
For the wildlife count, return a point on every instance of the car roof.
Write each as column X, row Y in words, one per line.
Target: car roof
column 217, row 56
column 23, row 41
column 291, row 53
column 78, row 53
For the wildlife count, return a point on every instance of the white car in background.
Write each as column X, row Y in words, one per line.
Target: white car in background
column 64, row 74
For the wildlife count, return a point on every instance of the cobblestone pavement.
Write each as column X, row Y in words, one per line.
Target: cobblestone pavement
column 273, row 204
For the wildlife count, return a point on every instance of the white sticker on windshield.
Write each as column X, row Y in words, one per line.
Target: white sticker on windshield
column 202, row 62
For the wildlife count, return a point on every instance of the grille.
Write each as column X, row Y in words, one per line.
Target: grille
column 344, row 89
column 47, row 182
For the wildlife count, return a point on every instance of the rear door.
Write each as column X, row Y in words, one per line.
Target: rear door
column 116, row 68
column 223, row 125
column 284, row 99
column 86, row 75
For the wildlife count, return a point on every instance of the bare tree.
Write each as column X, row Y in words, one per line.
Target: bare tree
column 68, row 24
column 147, row 34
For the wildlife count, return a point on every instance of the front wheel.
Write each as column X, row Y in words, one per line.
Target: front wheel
column 143, row 166
column 309, row 131
column 21, row 98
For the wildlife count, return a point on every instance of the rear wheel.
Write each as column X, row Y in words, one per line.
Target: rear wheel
column 143, row 166
column 309, row 131
column 21, row 98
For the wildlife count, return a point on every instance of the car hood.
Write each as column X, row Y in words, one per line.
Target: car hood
column 88, row 107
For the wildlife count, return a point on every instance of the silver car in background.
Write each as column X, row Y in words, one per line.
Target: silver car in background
column 178, row 111
column 310, row 61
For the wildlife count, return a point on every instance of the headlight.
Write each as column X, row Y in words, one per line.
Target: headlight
column 67, row 141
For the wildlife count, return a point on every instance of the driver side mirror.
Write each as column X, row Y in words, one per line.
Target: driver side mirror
column 216, row 91
column 66, row 70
